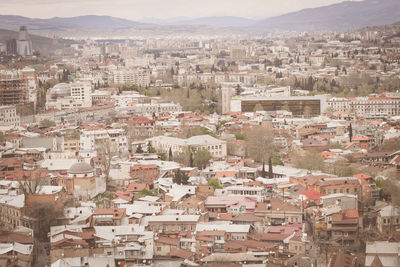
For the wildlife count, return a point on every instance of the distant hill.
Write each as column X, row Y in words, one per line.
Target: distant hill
column 344, row 16
column 42, row 44
column 218, row 21
column 58, row 25
column 91, row 21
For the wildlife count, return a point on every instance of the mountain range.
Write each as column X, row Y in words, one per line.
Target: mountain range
column 344, row 16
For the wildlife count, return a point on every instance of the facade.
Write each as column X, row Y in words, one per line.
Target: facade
column 12, row 89
column 90, row 139
column 145, row 173
column 298, row 105
column 172, row 224
column 8, row 116
column 216, row 147
column 254, row 192
column 140, row 77
column 368, row 107
column 278, row 212
column 388, row 220
column 82, row 181
column 65, row 96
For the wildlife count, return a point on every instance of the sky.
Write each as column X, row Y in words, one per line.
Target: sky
column 161, row 9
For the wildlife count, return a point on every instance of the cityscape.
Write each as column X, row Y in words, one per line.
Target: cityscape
column 216, row 133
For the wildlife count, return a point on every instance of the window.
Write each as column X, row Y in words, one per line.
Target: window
column 158, row 248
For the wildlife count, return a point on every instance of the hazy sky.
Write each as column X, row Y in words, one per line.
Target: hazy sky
column 138, row 9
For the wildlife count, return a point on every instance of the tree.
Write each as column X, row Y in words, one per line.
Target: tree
column 30, row 183
column 214, row 183
column 150, row 148
column 260, row 144
column 180, row 177
column 240, row 136
column 270, row 172
column 311, row 160
column 239, row 89
column 350, row 132
column 139, row 149
column 46, row 123
column 201, row 158
column 106, row 150
column 45, row 215
column 143, row 193
column 170, row 154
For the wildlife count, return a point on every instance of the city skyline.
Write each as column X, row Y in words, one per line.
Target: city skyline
column 144, row 10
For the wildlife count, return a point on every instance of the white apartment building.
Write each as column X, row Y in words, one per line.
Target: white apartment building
column 139, row 77
column 8, row 116
column 117, row 137
column 216, row 147
column 82, row 92
column 154, row 108
column 129, row 99
column 339, row 104
column 255, row 192
column 381, row 106
column 367, row 106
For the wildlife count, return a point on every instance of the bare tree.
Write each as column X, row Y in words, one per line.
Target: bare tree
column 260, row 146
column 106, row 150
column 31, row 182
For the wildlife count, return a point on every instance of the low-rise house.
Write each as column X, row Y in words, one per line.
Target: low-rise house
column 172, row 224
column 278, row 212
column 388, row 220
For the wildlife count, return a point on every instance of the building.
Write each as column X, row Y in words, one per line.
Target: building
column 382, row 253
column 388, row 220
column 24, row 44
column 140, row 77
column 368, row 107
column 12, row 88
column 145, row 173
column 172, row 224
column 216, row 147
column 8, row 116
column 82, row 181
column 258, row 193
column 278, row 212
column 90, row 139
column 298, row 105
column 64, row 96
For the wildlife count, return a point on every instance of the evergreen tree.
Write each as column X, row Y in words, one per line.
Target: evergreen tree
column 270, row 172
column 191, row 159
column 170, row 154
column 180, row 177
column 350, row 132
column 139, row 149
column 263, row 170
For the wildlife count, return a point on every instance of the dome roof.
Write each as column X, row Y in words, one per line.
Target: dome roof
column 60, row 90
column 80, row 168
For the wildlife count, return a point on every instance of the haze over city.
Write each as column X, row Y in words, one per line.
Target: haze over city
column 151, row 133
column 140, row 9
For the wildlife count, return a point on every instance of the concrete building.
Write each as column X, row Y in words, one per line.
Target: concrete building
column 140, row 77
column 90, row 139
column 298, row 105
column 8, row 116
column 216, row 147
column 65, row 96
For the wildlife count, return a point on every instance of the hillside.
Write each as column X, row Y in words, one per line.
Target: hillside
column 343, row 16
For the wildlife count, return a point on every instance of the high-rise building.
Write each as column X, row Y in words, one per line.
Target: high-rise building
column 12, row 88
column 24, row 44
